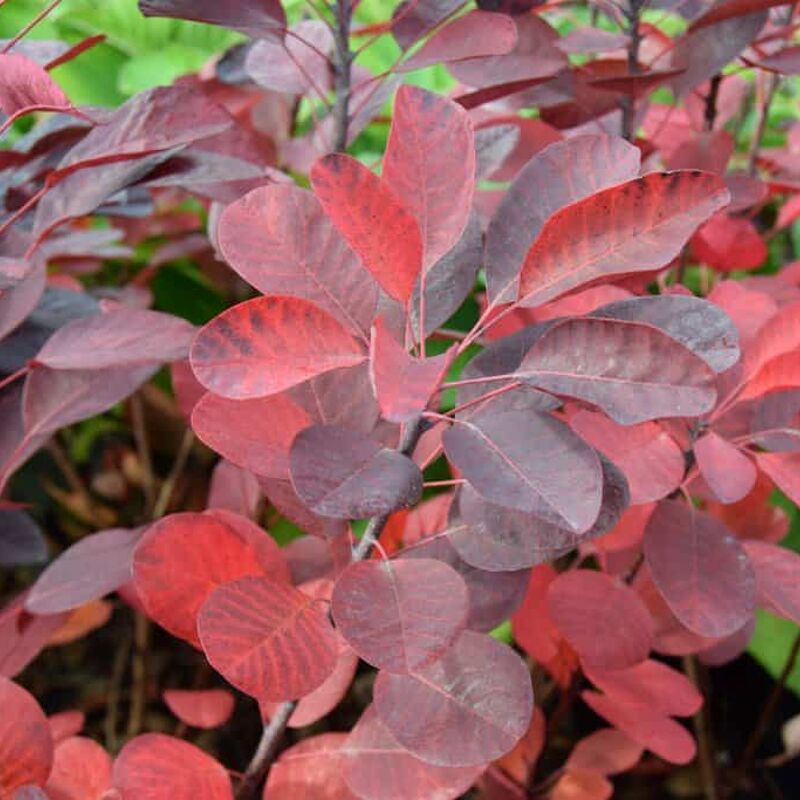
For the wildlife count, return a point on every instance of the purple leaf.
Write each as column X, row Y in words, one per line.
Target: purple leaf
column 344, row 474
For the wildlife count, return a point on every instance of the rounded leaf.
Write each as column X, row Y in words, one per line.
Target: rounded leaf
column 268, row 344
column 400, row 615
column 159, row 767
column 205, row 708
column 26, row 746
column 470, row 707
column 81, row 770
column 268, row 639
column 341, row 473
column 605, row 621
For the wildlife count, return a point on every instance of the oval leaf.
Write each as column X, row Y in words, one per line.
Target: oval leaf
column 684, row 548
column 159, row 767
column 265, row 345
column 400, row 615
column 268, row 639
column 605, row 621
column 204, row 708
column 81, row 770
column 341, row 473
column 470, row 707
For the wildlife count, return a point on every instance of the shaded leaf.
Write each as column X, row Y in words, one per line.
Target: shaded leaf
column 344, row 474
column 90, row 569
column 471, row 706
column 631, row 371
column 268, row 344
column 21, row 540
column 683, row 547
column 372, row 220
column 400, row 615
column 530, row 462
column 777, row 572
column 158, row 767
column 267, row 638
column 606, row 751
column 637, row 226
column 260, row 19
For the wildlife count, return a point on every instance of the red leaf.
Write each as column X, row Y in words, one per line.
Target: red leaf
column 121, row 337
column 729, row 473
column 651, row 729
column 265, row 345
column 158, row 767
column 632, row 371
column 311, row 770
column 81, row 771
column 777, row 578
column 268, row 639
column 376, row 766
column 26, row 747
column 313, row 707
column 637, row 226
column 729, row 9
column 648, row 456
column 373, row 221
column 472, row 35
column 22, row 542
column 259, row 20
column 254, row 434
column 555, row 177
column 26, row 87
column 605, row 621
column 400, row 615
column 781, row 372
column 653, row 684
column 207, row 708
column 92, row 568
column 470, row 707
column 729, row 243
column 279, row 239
column 66, row 724
column 578, row 784
column 182, row 558
column 534, row 630
column 430, row 162
column 234, row 489
column 531, row 462
column 403, row 384
column 344, row 474
column 778, row 335
column 606, row 751
column 683, row 546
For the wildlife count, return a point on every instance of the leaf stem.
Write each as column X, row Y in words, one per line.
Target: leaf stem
column 273, row 732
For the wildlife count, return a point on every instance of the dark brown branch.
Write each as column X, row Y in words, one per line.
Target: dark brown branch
column 273, row 732
column 342, row 68
column 702, row 729
column 712, row 97
column 763, row 119
column 628, row 103
column 767, row 713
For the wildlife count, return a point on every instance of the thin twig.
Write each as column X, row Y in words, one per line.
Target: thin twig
column 30, row 26
column 168, row 487
column 143, row 449
column 71, row 476
column 342, row 69
column 763, row 119
column 628, row 103
column 114, row 693
column 712, row 97
column 259, row 764
column 767, row 713
column 141, row 644
column 702, row 729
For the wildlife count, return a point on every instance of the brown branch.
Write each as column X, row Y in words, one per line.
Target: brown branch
column 168, row 487
column 342, row 73
column 712, row 97
column 767, row 713
column 141, row 644
column 143, row 450
column 763, row 119
column 628, row 103
column 702, row 729
column 272, row 734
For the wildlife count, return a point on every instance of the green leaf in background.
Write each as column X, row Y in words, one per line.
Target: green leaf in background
column 771, row 644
